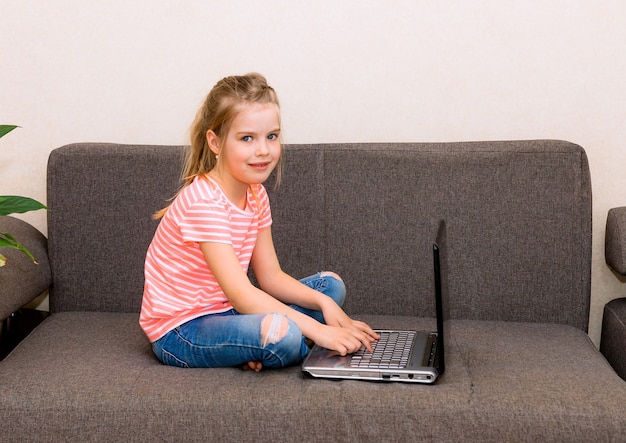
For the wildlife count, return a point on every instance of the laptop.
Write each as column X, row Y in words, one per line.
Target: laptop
column 398, row 356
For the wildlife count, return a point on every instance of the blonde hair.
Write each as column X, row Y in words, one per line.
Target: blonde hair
column 216, row 114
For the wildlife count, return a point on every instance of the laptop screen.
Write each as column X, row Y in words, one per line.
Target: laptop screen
column 441, row 292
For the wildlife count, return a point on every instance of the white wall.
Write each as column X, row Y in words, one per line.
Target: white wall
column 350, row 70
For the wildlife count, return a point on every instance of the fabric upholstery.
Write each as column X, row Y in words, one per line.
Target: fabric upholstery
column 519, row 365
column 613, row 340
column 519, row 218
column 21, row 280
column 102, row 198
column 504, row 381
column 615, row 240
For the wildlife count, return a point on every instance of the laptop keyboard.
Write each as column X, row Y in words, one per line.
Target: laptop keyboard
column 392, row 350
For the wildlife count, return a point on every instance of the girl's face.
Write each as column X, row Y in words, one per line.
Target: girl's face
column 251, row 149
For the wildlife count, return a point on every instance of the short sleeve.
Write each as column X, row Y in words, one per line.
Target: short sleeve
column 265, row 213
column 206, row 221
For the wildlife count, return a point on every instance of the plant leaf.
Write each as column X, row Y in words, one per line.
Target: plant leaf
column 11, row 204
column 8, row 241
column 5, row 129
column 3, row 260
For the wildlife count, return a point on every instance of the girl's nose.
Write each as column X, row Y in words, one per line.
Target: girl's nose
column 263, row 148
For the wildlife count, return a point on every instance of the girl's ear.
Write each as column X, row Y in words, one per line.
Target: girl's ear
column 213, row 141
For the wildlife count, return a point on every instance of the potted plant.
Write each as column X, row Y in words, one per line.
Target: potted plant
column 11, row 204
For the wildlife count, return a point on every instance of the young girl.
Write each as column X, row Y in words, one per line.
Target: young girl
column 199, row 308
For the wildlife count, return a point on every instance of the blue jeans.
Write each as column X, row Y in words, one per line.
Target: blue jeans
column 233, row 339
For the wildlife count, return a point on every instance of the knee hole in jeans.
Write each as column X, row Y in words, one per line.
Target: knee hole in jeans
column 330, row 274
column 274, row 328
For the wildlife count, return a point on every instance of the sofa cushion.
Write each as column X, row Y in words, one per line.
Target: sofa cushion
column 518, row 216
column 613, row 339
column 84, row 374
column 615, row 240
column 99, row 231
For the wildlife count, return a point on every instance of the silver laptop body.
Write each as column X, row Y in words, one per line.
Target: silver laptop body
column 403, row 356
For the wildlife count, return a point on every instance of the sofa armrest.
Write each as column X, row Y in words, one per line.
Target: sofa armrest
column 21, row 280
column 615, row 241
column 613, row 340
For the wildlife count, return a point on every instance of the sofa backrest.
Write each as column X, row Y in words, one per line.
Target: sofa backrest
column 518, row 215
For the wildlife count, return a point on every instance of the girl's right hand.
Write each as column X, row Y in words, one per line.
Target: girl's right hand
column 343, row 340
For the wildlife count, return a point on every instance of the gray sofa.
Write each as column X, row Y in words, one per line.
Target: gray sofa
column 519, row 364
column 613, row 340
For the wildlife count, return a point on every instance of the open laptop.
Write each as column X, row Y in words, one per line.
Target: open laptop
column 403, row 356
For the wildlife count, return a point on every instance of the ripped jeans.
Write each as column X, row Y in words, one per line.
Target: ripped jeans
column 233, row 339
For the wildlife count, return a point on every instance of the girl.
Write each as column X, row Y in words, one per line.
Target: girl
column 199, row 308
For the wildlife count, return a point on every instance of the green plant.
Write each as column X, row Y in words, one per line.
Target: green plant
column 11, row 204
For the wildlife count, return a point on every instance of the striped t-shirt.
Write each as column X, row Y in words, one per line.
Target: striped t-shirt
column 179, row 286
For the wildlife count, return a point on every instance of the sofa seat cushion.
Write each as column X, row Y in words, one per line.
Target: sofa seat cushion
column 81, row 375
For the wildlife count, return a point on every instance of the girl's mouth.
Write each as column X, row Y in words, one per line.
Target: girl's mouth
column 260, row 166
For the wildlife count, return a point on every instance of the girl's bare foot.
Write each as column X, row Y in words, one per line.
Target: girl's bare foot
column 256, row 366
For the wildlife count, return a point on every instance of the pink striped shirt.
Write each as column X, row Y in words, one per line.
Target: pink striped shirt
column 179, row 286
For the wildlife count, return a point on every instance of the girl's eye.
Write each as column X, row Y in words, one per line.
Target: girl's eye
column 272, row 136
column 246, row 138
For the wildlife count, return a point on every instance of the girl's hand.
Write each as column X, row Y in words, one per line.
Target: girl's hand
column 343, row 340
column 350, row 335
